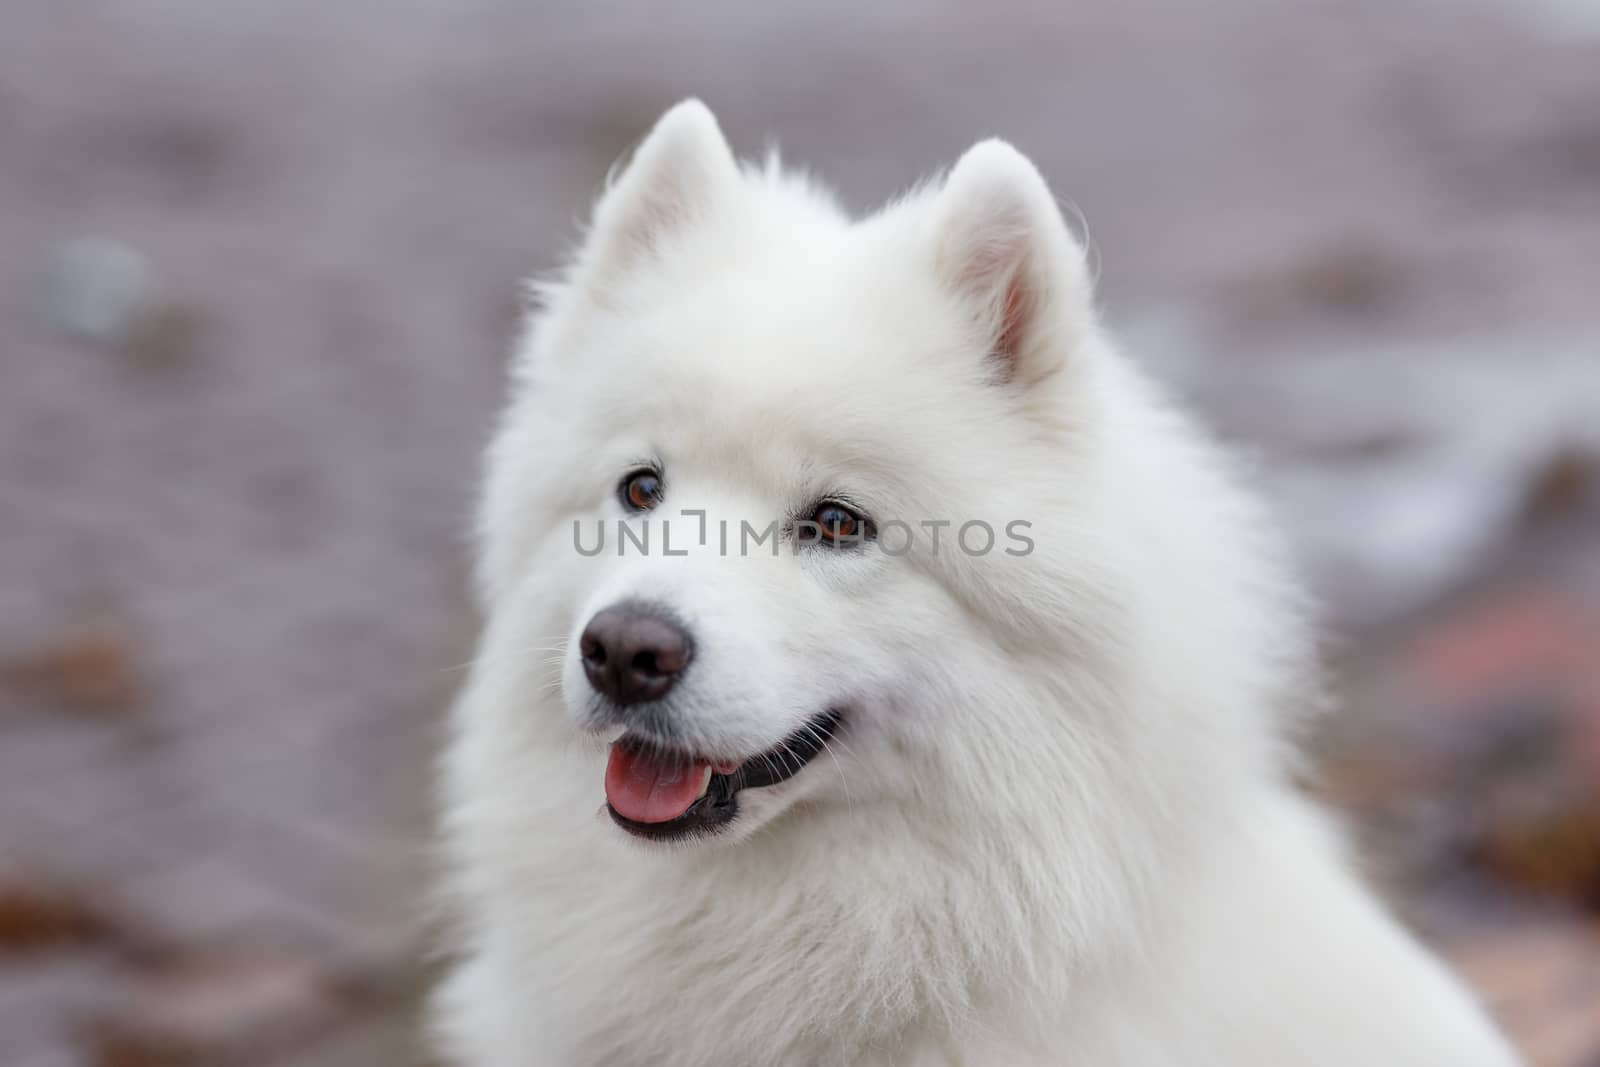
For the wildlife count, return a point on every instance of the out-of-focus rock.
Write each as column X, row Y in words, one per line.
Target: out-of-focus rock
column 1485, row 751
column 217, row 1008
column 1569, row 479
column 1348, row 277
column 1545, row 840
column 90, row 671
column 1542, row 980
column 102, row 290
column 39, row 917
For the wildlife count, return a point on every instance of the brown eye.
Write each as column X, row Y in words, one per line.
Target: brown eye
column 641, row 490
column 835, row 523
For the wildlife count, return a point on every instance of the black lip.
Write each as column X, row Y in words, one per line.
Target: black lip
column 718, row 808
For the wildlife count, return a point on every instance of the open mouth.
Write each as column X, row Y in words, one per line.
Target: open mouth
column 662, row 794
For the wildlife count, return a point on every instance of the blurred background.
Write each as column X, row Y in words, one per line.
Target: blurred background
column 258, row 270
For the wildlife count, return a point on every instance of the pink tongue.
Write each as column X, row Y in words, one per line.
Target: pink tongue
column 647, row 788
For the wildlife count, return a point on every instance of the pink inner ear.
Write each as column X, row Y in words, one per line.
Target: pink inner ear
column 1013, row 319
column 1015, row 305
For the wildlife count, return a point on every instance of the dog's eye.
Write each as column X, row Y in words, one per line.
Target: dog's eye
column 640, row 491
column 833, row 523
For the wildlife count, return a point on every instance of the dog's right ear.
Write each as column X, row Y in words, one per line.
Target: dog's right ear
column 675, row 177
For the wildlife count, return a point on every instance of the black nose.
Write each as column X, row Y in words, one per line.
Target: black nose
column 633, row 652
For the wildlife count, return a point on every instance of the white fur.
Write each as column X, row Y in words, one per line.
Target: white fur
column 1057, row 826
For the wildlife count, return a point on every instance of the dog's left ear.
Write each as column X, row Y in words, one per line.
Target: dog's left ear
column 1002, row 247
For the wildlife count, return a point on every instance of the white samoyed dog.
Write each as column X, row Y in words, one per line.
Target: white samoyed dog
column 878, row 670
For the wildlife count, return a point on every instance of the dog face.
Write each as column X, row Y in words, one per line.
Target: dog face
column 781, row 497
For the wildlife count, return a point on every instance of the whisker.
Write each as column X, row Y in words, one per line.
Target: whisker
column 844, row 783
column 849, row 801
column 556, row 650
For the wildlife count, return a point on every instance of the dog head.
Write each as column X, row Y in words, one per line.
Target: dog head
column 793, row 509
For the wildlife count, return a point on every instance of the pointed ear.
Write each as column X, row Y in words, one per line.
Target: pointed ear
column 1002, row 248
column 675, row 177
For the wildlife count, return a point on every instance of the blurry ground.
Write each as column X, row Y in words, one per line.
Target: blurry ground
column 1364, row 237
